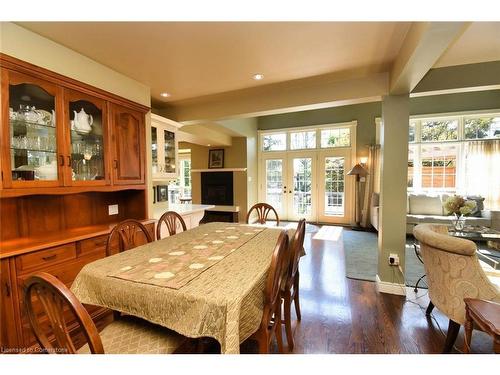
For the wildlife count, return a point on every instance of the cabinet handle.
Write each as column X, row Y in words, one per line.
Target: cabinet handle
column 7, row 289
column 61, row 160
column 69, row 161
column 115, row 164
column 49, row 257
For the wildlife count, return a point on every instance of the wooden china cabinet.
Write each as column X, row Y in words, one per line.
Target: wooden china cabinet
column 69, row 153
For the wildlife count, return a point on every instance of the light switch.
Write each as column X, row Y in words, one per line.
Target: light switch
column 113, row 209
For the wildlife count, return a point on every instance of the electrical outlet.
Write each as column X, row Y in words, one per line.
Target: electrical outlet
column 393, row 259
column 113, row 209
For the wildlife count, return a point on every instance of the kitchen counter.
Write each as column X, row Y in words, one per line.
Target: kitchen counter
column 182, row 209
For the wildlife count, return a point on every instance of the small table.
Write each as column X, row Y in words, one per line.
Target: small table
column 486, row 316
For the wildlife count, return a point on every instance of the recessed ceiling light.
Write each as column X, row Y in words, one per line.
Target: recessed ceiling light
column 258, row 76
column 209, row 145
column 165, row 94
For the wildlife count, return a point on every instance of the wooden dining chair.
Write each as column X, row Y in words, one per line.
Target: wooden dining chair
column 263, row 210
column 170, row 218
column 290, row 287
column 129, row 235
column 129, row 335
column 271, row 318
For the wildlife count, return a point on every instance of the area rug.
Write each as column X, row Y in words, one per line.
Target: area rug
column 361, row 258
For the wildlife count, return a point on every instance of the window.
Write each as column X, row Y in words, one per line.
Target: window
column 482, row 127
column 329, row 136
column 411, row 165
column 274, row 142
column 335, row 137
column 438, row 167
column 303, row 140
column 186, row 177
column 439, row 130
column 437, row 152
column 411, row 135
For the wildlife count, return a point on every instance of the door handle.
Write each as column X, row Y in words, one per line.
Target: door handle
column 69, row 161
column 61, row 160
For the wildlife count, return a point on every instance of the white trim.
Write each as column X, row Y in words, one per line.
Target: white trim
column 389, row 288
column 219, row 170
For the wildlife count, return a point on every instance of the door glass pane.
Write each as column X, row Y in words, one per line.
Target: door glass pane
column 33, row 141
column 335, row 137
column 169, row 144
column 154, row 148
column 302, row 182
column 302, row 140
column 334, row 186
column 274, row 142
column 87, row 146
column 274, row 183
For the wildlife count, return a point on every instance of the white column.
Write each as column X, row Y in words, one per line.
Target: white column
column 393, row 190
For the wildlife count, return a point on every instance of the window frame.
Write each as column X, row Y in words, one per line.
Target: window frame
column 461, row 142
column 351, row 125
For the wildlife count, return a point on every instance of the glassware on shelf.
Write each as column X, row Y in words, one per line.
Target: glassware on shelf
column 32, row 133
column 86, row 128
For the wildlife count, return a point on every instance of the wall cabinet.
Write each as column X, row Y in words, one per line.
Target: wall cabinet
column 164, row 146
column 128, row 150
column 59, row 133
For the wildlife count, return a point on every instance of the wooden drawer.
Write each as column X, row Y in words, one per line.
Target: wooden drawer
column 93, row 246
column 45, row 258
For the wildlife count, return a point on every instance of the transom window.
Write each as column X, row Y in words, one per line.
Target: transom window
column 338, row 135
column 302, row 140
column 274, row 142
column 335, row 137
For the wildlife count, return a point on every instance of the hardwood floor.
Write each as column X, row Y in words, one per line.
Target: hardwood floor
column 340, row 315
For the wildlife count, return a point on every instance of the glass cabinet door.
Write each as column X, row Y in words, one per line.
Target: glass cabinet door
column 86, row 124
column 154, row 149
column 169, row 152
column 33, row 131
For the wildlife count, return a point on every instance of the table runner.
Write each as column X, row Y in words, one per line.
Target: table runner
column 174, row 267
column 225, row 302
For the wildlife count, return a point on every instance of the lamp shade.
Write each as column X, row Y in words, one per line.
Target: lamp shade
column 358, row 170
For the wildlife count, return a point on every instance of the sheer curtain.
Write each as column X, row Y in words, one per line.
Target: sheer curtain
column 482, row 171
column 372, row 182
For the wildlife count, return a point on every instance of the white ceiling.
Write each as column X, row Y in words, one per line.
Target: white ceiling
column 479, row 43
column 191, row 60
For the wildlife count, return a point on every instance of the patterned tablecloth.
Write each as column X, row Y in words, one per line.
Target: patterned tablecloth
column 224, row 300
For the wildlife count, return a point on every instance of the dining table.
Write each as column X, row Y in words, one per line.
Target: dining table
column 208, row 281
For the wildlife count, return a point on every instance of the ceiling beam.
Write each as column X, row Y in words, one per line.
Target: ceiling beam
column 204, row 134
column 297, row 95
column 423, row 46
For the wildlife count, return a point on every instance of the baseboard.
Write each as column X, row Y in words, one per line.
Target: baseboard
column 390, row 288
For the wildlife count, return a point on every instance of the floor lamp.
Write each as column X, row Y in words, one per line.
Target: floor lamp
column 359, row 171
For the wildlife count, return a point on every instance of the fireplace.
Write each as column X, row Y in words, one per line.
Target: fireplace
column 217, row 188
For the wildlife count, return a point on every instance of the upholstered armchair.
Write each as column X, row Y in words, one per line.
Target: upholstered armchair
column 453, row 273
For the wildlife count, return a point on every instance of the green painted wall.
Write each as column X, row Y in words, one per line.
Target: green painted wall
column 467, row 101
column 366, row 113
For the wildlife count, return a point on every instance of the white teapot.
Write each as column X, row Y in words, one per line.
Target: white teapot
column 83, row 122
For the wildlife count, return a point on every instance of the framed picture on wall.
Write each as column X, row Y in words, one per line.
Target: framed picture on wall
column 216, row 158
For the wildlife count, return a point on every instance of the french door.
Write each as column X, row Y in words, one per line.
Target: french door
column 335, row 199
column 301, row 192
column 310, row 185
